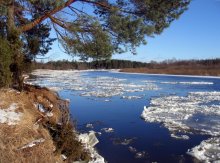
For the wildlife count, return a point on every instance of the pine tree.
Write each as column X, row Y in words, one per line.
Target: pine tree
column 86, row 28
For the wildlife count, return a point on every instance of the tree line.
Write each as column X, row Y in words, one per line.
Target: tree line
column 99, row 64
column 121, row 64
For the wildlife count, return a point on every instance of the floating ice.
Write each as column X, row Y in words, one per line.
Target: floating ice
column 169, row 82
column 101, row 87
column 119, row 141
column 199, row 112
column 207, row 151
column 89, row 125
column 149, row 81
column 108, row 130
column 140, row 154
column 197, row 83
column 132, row 149
column 189, row 83
column 89, row 140
column 131, row 97
column 9, row 115
column 185, row 137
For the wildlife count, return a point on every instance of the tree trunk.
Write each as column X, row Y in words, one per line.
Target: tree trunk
column 15, row 44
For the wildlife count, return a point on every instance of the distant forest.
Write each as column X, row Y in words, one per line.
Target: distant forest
column 102, row 64
column 124, row 64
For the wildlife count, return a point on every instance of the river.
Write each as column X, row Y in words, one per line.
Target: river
column 139, row 117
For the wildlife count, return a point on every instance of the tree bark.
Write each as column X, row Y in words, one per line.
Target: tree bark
column 17, row 57
column 10, row 19
column 45, row 16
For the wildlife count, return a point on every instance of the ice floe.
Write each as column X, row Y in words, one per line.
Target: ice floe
column 120, row 141
column 199, row 112
column 9, row 115
column 132, row 149
column 89, row 140
column 99, row 87
column 137, row 154
column 207, row 151
column 108, row 130
column 185, row 137
column 140, row 154
column 131, row 97
column 189, row 83
column 89, row 125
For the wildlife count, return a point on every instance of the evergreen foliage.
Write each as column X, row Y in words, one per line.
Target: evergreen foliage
column 88, row 29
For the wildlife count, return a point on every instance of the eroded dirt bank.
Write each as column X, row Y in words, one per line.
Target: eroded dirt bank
column 35, row 126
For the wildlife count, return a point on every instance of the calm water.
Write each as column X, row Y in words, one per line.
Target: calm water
column 123, row 116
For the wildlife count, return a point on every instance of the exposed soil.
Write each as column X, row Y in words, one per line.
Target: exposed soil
column 56, row 131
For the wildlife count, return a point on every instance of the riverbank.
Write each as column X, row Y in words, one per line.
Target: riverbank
column 194, row 71
column 35, row 126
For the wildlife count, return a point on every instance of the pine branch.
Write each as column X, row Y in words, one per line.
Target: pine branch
column 29, row 26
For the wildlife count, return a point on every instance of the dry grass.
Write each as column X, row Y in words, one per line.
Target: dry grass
column 32, row 127
column 14, row 137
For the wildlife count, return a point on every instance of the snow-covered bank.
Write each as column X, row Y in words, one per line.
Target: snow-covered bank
column 199, row 112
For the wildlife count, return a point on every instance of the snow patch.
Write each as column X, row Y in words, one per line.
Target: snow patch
column 33, row 143
column 9, row 115
column 42, row 109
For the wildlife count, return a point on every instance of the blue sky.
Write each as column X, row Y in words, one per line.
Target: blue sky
column 195, row 35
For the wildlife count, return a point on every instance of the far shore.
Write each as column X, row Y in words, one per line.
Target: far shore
column 135, row 71
column 213, row 73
